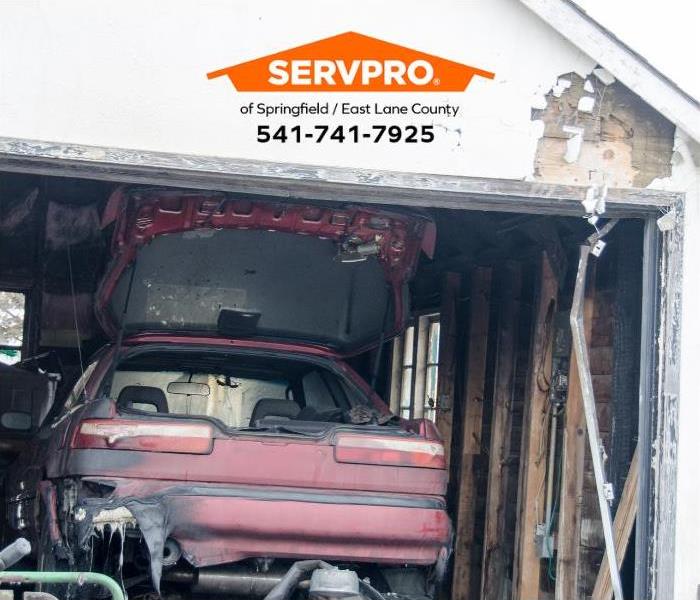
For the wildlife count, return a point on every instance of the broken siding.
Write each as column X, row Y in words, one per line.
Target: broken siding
column 600, row 134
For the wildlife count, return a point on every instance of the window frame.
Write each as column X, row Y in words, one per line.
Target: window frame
column 22, row 346
column 415, row 354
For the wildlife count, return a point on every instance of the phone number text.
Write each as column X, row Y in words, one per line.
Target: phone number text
column 394, row 134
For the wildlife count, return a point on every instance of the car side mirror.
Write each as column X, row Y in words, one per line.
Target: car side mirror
column 16, row 421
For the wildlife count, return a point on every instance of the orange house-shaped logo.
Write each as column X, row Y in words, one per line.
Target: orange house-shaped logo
column 350, row 62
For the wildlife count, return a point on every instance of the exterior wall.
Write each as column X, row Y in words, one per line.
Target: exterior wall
column 133, row 75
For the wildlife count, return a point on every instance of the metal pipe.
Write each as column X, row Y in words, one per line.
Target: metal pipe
column 68, row 577
column 15, row 552
column 589, row 408
column 249, row 585
column 235, row 580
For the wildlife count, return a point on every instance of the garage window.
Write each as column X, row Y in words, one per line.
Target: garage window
column 414, row 391
column 11, row 326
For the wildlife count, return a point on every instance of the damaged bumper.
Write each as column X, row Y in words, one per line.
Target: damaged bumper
column 214, row 524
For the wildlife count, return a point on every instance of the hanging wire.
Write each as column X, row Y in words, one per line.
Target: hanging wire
column 75, row 314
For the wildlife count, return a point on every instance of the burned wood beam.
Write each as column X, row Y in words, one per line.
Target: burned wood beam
column 572, row 469
column 526, row 566
column 495, row 559
column 447, row 360
column 466, row 561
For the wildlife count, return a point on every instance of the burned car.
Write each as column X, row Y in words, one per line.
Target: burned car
column 222, row 436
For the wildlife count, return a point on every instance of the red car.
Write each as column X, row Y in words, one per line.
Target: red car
column 222, row 436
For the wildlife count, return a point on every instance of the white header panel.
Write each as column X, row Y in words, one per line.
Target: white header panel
column 133, row 75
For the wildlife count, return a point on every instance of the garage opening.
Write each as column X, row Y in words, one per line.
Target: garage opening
column 485, row 359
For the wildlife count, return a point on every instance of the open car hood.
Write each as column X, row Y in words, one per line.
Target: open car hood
column 214, row 263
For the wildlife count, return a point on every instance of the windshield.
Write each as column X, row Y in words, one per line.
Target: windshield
column 240, row 391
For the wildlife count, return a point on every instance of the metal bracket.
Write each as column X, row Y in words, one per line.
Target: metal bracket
column 594, row 246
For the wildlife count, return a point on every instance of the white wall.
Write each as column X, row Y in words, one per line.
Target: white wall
column 132, row 74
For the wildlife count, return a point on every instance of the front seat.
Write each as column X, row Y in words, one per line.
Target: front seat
column 143, row 394
column 273, row 407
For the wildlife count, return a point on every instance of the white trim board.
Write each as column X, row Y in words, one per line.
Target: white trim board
column 312, row 182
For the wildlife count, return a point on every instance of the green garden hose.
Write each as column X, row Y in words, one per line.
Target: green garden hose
column 84, row 578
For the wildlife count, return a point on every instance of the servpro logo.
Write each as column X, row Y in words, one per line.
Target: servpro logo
column 350, row 62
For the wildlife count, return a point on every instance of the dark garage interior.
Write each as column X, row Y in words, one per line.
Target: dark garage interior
column 487, row 356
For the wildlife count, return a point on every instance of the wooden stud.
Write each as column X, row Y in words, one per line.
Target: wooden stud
column 493, row 572
column 573, row 459
column 622, row 529
column 447, row 360
column 396, row 375
column 475, row 375
column 533, row 467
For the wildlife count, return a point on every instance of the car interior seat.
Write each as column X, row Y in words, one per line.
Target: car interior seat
column 143, row 394
column 273, row 407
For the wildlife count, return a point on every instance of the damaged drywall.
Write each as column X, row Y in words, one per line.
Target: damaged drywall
column 597, row 132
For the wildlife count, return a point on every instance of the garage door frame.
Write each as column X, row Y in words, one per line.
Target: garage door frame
column 660, row 380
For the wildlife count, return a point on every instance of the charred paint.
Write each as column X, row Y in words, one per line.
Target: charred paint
column 215, row 527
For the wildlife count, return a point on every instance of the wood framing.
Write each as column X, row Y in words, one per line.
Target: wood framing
column 572, row 469
column 447, row 357
column 495, row 559
column 622, row 529
column 465, row 560
column 530, row 512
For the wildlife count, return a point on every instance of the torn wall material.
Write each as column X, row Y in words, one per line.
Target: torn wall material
column 601, row 134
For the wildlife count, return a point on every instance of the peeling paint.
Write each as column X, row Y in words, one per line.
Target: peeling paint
column 586, row 103
column 598, row 134
column 677, row 486
column 573, row 144
column 560, row 87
